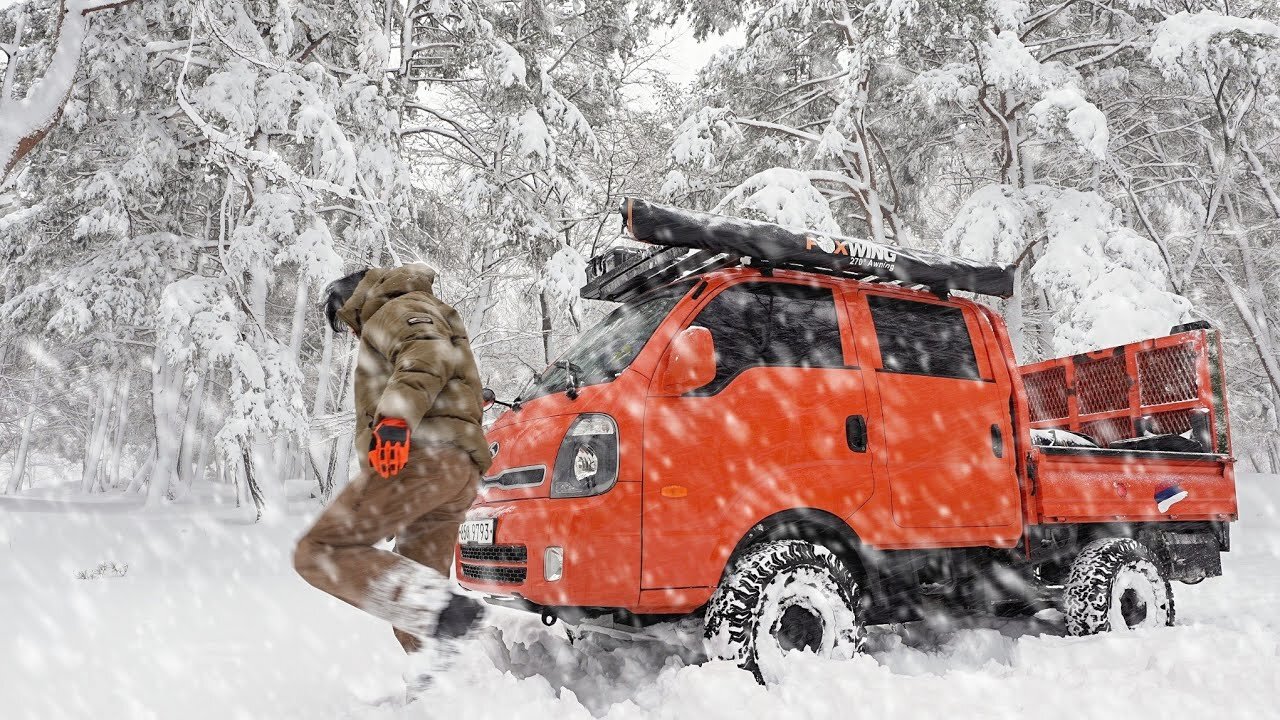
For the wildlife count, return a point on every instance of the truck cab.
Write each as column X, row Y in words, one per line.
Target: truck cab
column 731, row 416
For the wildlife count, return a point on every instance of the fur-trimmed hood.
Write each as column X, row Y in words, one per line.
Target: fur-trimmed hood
column 380, row 286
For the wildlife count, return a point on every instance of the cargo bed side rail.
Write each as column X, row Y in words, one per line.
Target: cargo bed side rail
column 1167, row 385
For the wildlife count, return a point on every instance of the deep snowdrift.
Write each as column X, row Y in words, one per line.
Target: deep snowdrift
column 209, row 621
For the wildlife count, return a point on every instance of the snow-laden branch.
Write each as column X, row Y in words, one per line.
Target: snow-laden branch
column 785, row 129
column 24, row 122
column 1258, row 331
column 460, row 134
column 1260, row 174
column 270, row 163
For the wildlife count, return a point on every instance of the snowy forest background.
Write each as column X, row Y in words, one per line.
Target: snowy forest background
column 181, row 179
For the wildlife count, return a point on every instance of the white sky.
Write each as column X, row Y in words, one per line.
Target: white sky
column 686, row 56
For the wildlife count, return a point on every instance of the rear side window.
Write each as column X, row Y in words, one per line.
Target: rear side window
column 923, row 338
column 771, row 324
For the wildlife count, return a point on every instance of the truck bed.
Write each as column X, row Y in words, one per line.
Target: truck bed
column 1130, row 401
column 1082, row 485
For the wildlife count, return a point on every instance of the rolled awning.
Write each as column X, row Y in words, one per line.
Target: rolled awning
column 811, row 250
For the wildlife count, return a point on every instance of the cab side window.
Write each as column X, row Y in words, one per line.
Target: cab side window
column 771, row 324
column 923, row 338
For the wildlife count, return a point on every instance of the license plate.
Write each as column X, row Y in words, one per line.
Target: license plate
column 477, row 532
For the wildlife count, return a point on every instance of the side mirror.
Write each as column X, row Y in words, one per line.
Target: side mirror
column 488, row 398
column 691, row 362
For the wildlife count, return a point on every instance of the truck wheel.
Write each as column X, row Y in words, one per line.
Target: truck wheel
column 1116, row 584
column 780, row 596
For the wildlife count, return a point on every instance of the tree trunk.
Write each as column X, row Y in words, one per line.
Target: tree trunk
column 320, row 401
column 299, row 319
column 291, row 459
column 267, row 489
column 24, row 445
column 340, row 452
column 485, row 296
column 165, row 383
column 146, row 468
column 545, row 307
column 122, row 422
column 190, row 428
column 233, row 473
column 1014, row 318
column 320, row 406
column 251, row 482
column 202, row 458
column 97, row 439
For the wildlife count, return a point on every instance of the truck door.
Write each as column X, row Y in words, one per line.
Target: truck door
column 767, row 433
column 945, row 437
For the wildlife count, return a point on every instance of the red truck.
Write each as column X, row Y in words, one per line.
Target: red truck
column 793, row 435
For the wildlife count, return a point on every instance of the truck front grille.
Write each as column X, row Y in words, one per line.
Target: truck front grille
column 495, row 553
column 497, row 574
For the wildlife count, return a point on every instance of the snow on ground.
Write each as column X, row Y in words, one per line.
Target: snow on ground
column 209, row 621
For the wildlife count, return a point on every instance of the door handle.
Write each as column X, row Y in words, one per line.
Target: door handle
column 997, row 441
column 855, row 433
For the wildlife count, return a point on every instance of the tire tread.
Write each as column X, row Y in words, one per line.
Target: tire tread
column 735, row 605
column 1087, row 595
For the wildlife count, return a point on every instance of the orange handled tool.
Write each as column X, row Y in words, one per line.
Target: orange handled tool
column 389, row 449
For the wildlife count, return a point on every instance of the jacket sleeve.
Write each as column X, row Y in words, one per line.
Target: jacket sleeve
column 417, row 342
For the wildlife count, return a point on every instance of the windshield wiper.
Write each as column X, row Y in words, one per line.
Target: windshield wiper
column 573, row 371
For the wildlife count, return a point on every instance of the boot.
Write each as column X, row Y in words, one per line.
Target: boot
column 409, row 596
column 459, row 617
column 438, row 649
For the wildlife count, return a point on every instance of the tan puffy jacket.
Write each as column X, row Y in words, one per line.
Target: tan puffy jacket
column 415, row 362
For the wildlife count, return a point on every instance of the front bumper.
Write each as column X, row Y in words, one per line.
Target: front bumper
column 601, row 540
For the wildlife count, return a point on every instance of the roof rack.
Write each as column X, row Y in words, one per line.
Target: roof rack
column 622, row 274
column 717, row 241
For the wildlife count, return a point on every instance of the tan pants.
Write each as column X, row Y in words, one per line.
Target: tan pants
column 422, row 507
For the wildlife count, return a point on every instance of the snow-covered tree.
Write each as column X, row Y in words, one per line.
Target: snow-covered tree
column 507, row 120
column 186, row 176
column 905, row 119
column 222, row 159
column 1200, row 167
column 25, row 120
column 1096, row 273
column 784, row 126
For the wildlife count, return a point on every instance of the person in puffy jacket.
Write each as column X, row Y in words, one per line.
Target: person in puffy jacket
column 422, row 451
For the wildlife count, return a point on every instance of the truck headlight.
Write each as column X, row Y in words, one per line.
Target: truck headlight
column 587, row 463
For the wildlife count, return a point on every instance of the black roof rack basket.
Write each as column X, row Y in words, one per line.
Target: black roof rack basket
column 623, row 273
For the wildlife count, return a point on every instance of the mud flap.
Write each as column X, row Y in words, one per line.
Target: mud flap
column 1193, row 556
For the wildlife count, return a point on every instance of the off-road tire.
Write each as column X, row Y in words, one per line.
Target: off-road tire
column 1107, row 578
column 751, row 606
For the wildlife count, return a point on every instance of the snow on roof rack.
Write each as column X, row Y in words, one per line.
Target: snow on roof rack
column 623, row 273
column 721, row 241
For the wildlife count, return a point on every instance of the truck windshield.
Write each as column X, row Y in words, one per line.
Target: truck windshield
column 603, row 352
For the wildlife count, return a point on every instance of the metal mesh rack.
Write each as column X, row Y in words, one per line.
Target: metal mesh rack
column 1156, row 386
